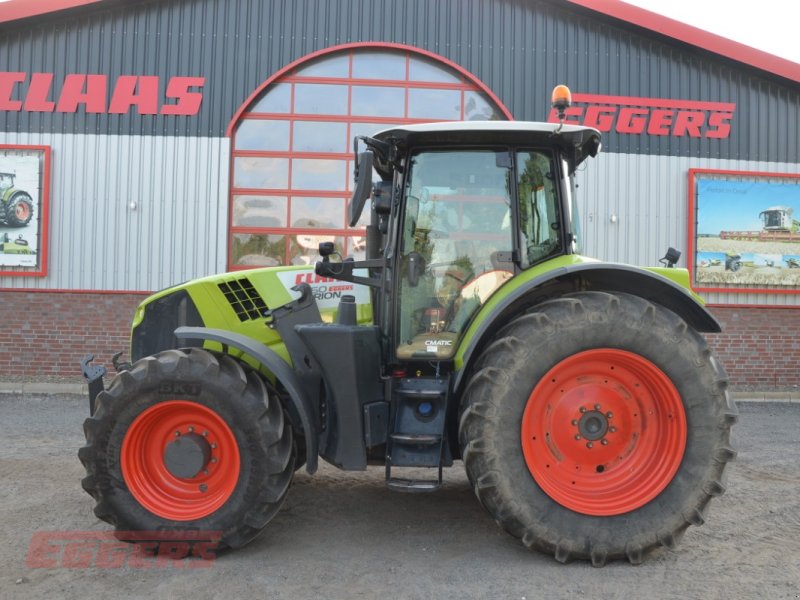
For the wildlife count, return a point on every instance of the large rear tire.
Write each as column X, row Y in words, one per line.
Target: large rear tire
column 19, row 210
column 597, row 426
column 188, row 441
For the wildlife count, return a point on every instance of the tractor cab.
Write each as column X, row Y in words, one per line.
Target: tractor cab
column 460, row 209
column 6, row 181
column 777, row 218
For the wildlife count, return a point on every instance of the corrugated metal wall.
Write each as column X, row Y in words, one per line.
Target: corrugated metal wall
column 97, row 242
column 648, row 195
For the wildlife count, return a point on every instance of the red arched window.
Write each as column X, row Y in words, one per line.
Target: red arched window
column 292, row 143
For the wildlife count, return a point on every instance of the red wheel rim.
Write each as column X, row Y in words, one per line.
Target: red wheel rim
column 146, row 474
column 603, row 432
column 22, row 211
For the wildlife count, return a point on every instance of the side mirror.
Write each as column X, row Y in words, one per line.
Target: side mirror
column 363, row 177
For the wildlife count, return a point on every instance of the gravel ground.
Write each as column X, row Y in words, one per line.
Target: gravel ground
column 344, row 535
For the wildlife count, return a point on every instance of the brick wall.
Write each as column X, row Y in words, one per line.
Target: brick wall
column 759, row 347
column 44, row 336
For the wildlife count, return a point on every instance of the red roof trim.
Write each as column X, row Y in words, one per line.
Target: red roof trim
column 694, row 36
column 22, row 9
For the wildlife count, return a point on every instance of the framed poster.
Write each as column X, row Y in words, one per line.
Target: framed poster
column 24, row 206
column 744, row 231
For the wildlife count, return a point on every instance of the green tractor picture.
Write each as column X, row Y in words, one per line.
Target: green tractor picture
column 591, row 416
column 792, row 263
column 16, row 206
column 17, row 246
column 733, row 262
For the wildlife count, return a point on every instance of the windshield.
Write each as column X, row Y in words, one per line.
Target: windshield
column 463, row 236
column 456, row 245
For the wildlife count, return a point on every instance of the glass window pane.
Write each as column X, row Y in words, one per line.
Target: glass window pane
column 378, row 101
column 539, row 219
column 379, row 65
column 427, row 69
column 260, row 173
column 320, row 99
column 255, row 134
column 478, row 108
column 314, row 136
column 260, row 211
column 318, row 213
column 434, row 104
column 357, row 247
column 368, row 129
column 314, row 174
column 332, row 66
column 303, row 249
column 277, row 99
column 258, row 250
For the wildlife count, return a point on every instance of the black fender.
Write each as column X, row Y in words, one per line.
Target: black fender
column 605, row 277
column 275, row 365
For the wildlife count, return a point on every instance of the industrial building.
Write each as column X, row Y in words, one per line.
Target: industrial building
column 163, row 140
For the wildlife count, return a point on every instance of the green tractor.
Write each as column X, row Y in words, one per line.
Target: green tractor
column 16, row 206
column 17, row 246
column 591, row 417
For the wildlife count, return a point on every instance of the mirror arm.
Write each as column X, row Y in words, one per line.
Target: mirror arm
column 343, row 271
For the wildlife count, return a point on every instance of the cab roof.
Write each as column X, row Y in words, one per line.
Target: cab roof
column 576, row 141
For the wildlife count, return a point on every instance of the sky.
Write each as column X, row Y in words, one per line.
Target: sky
column 769, row 25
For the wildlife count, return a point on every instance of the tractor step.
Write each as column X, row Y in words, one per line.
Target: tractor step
column 418, row 436
column 397, row 484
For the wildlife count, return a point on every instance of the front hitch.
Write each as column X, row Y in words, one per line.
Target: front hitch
column 94, row 377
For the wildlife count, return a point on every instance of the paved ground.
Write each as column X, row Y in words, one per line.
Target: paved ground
column 343, row 535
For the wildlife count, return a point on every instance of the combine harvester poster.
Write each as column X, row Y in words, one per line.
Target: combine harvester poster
column 745, row 231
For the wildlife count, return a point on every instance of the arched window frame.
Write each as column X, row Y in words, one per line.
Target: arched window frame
column 466, row 83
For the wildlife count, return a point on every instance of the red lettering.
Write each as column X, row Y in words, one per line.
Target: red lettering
column 632, row 120
column 37, row 99
column 689, row 121
column 145, row 555
column 660, row 121
column 206, row 551
column 133, row 90
column 721, row 123
column 188, row 103
column 112, row 555
column 43, row 553
column 79, row 555
column 8, row 82
column 170, row 551
column 572, row 111
column 600, row 117
column 89, row 90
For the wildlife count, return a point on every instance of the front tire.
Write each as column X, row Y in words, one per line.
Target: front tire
column 188, row 441
column 597, row 426
column 19, row 210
